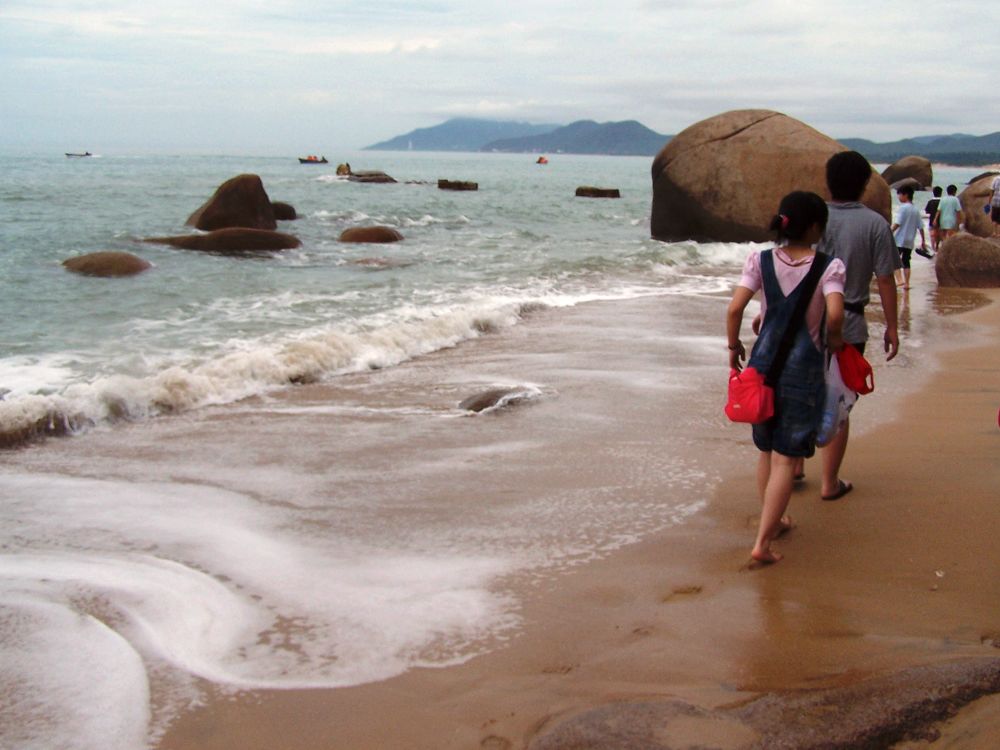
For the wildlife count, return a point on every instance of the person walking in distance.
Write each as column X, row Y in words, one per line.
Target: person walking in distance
column 908, row 223
column 949, row 214
column 862, row 239
column 931, row 209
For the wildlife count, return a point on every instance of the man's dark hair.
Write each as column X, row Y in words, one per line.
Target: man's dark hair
column 937, row 191
column 906, row 190
column 847, row 173
column 952, row 190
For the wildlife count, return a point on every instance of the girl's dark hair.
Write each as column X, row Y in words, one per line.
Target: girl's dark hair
column 799, row 211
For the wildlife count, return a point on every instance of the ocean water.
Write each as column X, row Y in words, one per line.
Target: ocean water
column 265, row 480
column 205, row 329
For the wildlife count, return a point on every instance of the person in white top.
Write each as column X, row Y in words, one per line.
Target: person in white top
column 904, row 230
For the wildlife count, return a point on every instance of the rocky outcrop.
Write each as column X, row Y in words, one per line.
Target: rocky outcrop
column 974, row 199
column 108, row 264
column 968, row 261
column 875, row 713
column 238, row 202
column 457, row 185
column 369, row 176
column 586, row 191
column 722, row 178
column 370, row 234
column 231, row 241
column 284, row 211
column 916, row 167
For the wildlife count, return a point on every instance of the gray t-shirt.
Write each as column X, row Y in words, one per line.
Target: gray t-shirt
column 862, row 239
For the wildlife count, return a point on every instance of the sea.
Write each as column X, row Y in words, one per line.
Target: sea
column 254, row 472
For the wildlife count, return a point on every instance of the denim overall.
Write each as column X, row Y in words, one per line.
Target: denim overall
column 801, row 389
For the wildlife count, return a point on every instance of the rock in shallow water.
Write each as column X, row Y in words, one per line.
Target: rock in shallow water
column 108, row 264
column 875, row 713
column 238, row 202
column 231, row 241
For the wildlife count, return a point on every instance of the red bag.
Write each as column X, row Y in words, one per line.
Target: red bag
column 855, row 370
column 750, row 398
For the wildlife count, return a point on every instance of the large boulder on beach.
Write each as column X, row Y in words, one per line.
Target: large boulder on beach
column 916, row 167
column 974, row 199
column 107, row 263
column 969, row 261
column 238, row 202
column 722, row 179
column 370, row 234
column 231, row 241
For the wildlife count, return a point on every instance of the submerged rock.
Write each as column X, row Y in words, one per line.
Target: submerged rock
column 586, row 191
column 370, row 234
column 968, row 261
column 722, row 178
column 916, row 167
column 457, row 185
column 231, row 241
column 107, row 263
column 238, row 202
column 370, row 176
column 493, row 399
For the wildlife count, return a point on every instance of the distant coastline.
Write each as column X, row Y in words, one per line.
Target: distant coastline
column 632, row 138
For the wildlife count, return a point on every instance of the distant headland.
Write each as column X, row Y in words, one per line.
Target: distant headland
column 632, row 138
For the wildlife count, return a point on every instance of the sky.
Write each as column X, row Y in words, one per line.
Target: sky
column 288, row 77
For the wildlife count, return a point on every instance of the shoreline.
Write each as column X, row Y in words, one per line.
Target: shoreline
column 895, row 575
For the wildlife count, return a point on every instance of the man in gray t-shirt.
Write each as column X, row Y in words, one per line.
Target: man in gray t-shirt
column 862, row 239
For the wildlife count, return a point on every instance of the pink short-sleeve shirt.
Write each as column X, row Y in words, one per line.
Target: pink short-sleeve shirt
column 790, row 273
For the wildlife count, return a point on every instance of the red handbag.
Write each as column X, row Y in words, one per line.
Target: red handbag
column 855, row 370
column 750, row 398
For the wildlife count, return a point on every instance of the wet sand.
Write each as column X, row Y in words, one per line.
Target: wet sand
column 901, row 572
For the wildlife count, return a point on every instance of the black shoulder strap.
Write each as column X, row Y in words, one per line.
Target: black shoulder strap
column 806, row 288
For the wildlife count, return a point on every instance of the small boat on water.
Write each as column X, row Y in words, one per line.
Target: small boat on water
column 313, row 160
column 78, row 156
column 542, row 160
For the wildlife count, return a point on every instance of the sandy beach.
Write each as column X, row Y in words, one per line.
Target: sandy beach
column 900, row 573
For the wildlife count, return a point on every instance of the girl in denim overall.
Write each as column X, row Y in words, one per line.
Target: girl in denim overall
column 799, row 387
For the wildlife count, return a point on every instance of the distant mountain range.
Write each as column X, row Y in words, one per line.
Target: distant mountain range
column 460, row 134
column 959, row 149
column 631, row 138
column 628, row 138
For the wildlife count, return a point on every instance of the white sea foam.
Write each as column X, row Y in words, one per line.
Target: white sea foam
column 244, row 368
column 212, row 584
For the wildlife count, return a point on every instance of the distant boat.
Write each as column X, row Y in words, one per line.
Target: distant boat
column 78, row 156
column 542, row 160
column 308, row 160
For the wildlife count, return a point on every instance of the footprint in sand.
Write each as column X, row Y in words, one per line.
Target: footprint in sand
column 680, row 591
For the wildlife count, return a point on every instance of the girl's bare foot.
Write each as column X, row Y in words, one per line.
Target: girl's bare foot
column 766, row 556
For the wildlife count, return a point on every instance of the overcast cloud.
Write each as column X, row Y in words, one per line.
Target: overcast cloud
column 291, row 76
